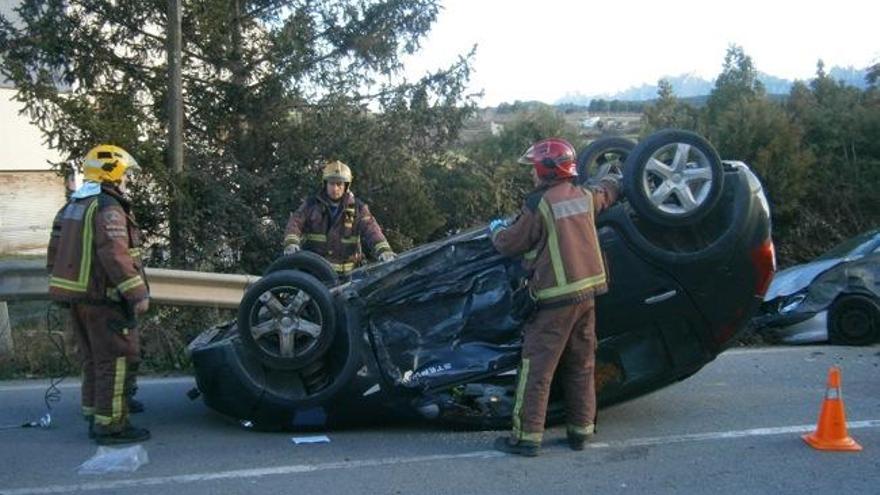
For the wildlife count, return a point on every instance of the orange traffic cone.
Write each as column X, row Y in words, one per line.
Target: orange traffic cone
column 831, row 432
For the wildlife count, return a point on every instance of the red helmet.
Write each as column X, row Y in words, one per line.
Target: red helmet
column 553, row 158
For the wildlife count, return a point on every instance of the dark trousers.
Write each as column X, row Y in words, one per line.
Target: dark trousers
column 109, row 351
column 562, row 337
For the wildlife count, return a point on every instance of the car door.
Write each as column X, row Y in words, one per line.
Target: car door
column 647, row 326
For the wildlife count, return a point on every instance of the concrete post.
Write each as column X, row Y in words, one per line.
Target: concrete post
column 6, row 348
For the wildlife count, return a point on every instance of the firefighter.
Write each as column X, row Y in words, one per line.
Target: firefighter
column 336, row 225
column 95, row 267
column 555, row 233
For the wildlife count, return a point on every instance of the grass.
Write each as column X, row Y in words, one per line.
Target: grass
column 45, row 345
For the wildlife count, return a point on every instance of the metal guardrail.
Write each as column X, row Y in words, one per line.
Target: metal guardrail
column 188, row 288
column 27, row 280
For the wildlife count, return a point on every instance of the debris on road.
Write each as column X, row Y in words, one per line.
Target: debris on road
column 310, row 439
column 110, row 460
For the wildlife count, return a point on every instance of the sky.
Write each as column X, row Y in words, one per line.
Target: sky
column 542, row 50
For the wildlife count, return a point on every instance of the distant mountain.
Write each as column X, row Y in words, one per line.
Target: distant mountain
column 850, row 75
column 691, row 85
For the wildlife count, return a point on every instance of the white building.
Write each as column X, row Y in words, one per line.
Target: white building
column 30, row 191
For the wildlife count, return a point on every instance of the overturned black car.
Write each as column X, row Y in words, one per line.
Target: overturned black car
column 436, row 332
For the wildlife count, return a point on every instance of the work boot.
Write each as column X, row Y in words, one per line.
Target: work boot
column 577, row 440
column 129, row 434
column 135, row 406
column 522, row 447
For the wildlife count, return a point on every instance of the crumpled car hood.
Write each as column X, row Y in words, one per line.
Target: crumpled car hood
column 798, row 277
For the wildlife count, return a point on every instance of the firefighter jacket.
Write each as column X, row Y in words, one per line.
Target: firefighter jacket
column 94, row 252
column 556, row 235
column 338, row 238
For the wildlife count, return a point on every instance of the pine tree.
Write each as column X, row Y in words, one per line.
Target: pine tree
column 668, row 112
column 271, row 89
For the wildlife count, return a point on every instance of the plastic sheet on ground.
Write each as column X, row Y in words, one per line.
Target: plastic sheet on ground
column 115, row 460
column 310, row 439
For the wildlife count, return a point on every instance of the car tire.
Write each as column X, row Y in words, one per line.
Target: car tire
column 596, row 159
column 664, row 185
column 308, row 262
column 854, row 320
column 285, row 309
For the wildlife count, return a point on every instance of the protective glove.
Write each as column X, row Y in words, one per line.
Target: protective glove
column 141, row 307
column 291, row 248
column 387, row 256
column 497, row 224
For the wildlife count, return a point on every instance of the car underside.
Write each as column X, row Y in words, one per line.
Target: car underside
column 436, row 333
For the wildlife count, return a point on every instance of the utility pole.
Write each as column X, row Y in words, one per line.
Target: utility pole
column 175, row 128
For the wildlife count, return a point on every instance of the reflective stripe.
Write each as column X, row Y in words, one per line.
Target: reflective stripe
column 135, row 252
column 531, row 255
column 85, row 264
column 342, row 267
column 316, row 237
column 563, row 287
column 103, row 420
column 581, row 430
column 520, row 392
column 572, row 287
column 116, row 400
column 291, row 239
column 571, row 207
column 118, row 388
column 382, row 246
column 553, row 244
column 352, row 240
column 131, row 283
column 66, row 285
column 88, row 411
column 596, row 237
column 531, row 437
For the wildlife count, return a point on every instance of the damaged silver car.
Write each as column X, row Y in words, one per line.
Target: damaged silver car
column 835, row 297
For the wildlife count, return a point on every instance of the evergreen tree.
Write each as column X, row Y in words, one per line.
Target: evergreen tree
column 840, row 126
column 271, row 89
column 745, row 125
column 485, row 180
column 873, row 74
column 668, row 112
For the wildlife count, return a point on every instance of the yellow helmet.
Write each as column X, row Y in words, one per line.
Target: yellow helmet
column 108, row 163
column 337, row 170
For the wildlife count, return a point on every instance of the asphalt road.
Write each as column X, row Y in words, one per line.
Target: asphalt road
column 734, row 427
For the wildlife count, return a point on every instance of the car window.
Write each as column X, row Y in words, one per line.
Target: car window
column 857, row 246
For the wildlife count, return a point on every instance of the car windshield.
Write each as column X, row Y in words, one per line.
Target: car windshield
column 859, row 245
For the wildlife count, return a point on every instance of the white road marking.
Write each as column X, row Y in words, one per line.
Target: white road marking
column 725, row 435
column 244, row 473
column 767, row 350
column 368, row 463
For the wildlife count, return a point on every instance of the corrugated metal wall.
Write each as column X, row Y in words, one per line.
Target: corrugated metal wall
column 28, row 203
